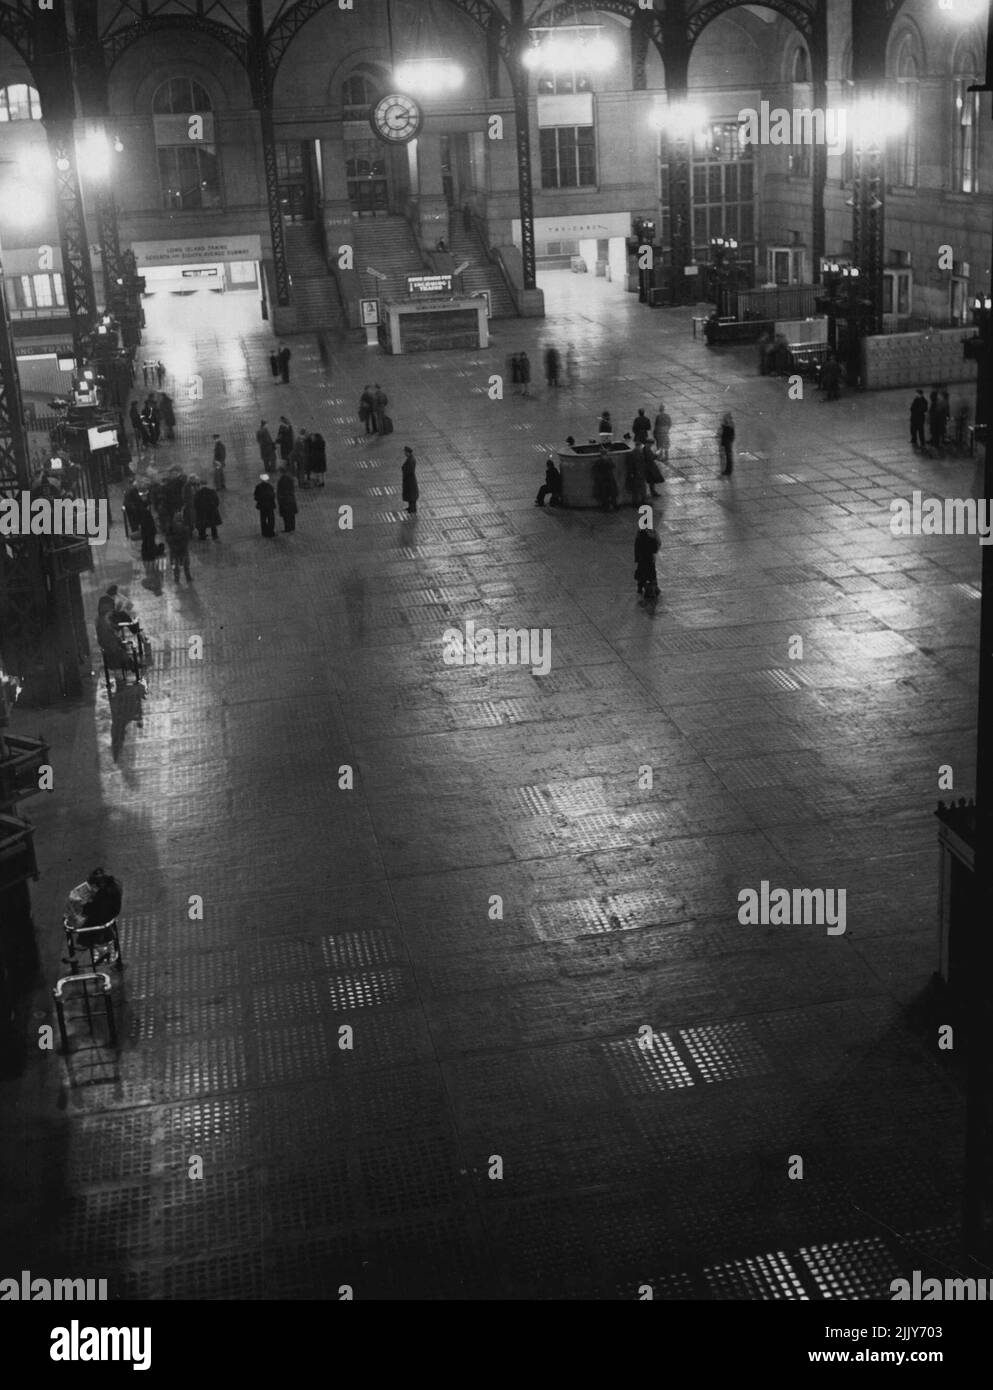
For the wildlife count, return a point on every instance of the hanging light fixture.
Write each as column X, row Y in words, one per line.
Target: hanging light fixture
column 423, row 73
column 570, row 47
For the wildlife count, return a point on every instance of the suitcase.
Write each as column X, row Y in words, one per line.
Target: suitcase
column 387, row 425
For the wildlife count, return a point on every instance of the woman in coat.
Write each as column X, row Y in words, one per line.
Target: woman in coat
column 317, row 457
column 286, row 498
column 207, row 510
column 661, row 431
column 408, row 470
column 151, row 549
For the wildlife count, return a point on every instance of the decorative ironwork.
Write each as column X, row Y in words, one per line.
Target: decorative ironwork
column 76, row 266
column 519, row 82
column 868, row 220
column 17, row 27
column 261, row 76
column 110, row 242
column 117, row 42
column 799, row 14
column 290, row 20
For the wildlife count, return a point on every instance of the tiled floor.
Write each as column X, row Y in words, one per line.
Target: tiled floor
column 486, row 1025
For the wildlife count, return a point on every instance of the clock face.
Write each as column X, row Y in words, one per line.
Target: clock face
column 396, row 118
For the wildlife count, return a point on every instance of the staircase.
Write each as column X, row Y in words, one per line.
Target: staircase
column 388, row 245
column 482, row 273
column 315, row 291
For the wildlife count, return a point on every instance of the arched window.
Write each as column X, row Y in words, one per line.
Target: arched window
column 905, row 148
column 189, row 173
column 181, row 96
column 360, row 90
column 800, row 162
column 965, row 123
column 19, row 102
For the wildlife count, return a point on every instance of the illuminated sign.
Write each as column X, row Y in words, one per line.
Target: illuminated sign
column 429, row 284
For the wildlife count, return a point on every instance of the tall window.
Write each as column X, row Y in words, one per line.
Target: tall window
column 19, row 102
column 40, row 292
column 905, row 149
column 360, row 91
column 800, row 154
column 563, row 83
column 965, row 129
column 189, row 173
column 723, row 193
column 568, row 157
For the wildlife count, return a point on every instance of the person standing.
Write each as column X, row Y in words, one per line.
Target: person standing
column 646, row 547
column 318, row 456
column 641, row 426
column 286, row 498
column 918, row 415
column 367, row 410
column 178, row 540
column 274, row 364
column 208, row 512
column 168, row 413
column 190, row 489
column 160, row 373
column 408, row 472
column 265, row 502
column 524, row 368
column 220, row 459
column 605, row 428
column 662, row 430
column 653, row 473
column 284, row 438
column 144, row 372
column 551, row 487
column 267, row 449
column 380, row 401
column 132, row 510
column 297, row 461
column 150, row 548
column 552, row 363
column 138, row 426
column 152, row 419
column 831, row 378
column 284, row 363
column 725, row 438
column 604, row 481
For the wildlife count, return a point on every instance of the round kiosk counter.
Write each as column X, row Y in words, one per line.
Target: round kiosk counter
column 579, row 480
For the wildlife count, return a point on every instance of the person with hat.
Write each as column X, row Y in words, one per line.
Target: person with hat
column 265, row 502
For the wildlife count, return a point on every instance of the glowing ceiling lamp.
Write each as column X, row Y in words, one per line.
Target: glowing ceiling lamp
column 570, row 48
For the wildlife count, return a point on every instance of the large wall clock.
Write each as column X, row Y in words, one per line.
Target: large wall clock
column 396, row 118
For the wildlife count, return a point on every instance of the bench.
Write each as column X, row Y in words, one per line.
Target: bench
column 740, row 330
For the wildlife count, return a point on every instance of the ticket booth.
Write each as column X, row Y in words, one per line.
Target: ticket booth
column 430, row 317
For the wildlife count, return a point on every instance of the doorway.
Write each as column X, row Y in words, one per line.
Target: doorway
column 296, row 176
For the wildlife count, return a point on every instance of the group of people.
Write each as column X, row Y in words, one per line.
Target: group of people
column 372, row 410
column 281, row 497
column 174, row 507
column 153, row 372
column 934, row 411
column 302, row 455
column 279, row 363
column 149, row 420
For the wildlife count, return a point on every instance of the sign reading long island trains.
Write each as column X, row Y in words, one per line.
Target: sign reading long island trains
column 429, row 284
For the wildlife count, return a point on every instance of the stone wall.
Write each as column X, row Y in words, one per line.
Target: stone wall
column 916, row 359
